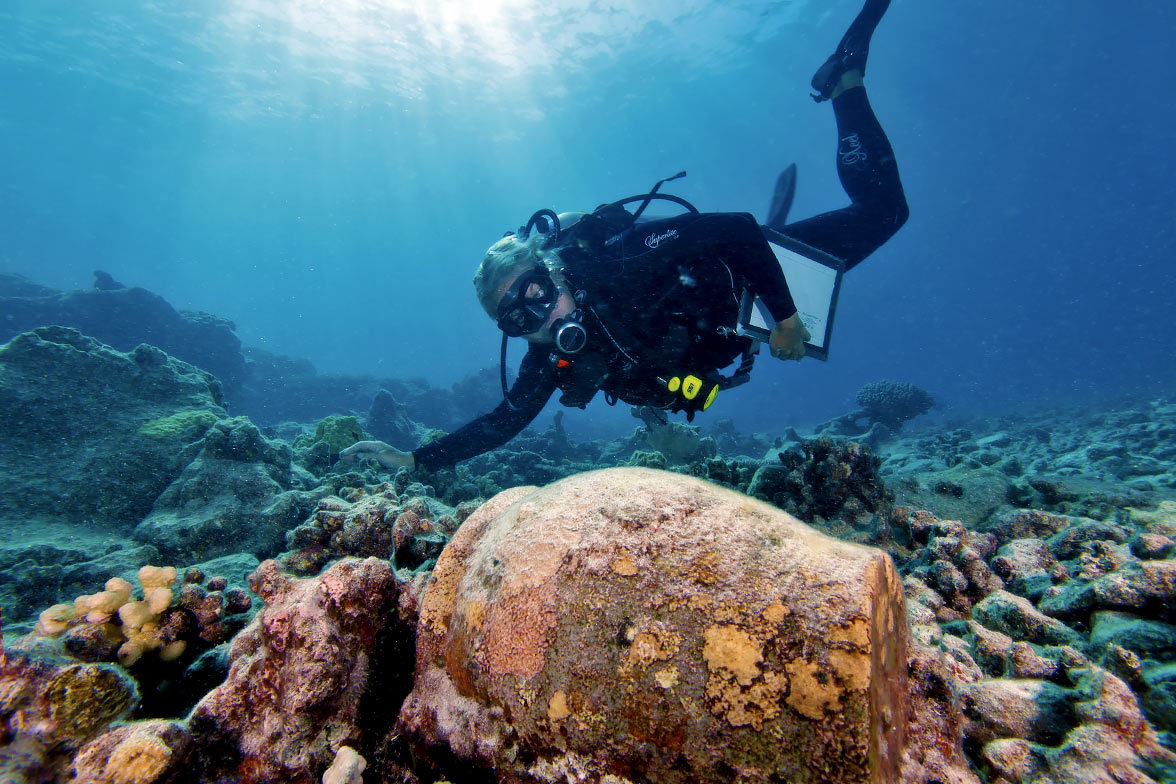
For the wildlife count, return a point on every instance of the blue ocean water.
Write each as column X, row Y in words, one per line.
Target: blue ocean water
column 328, row 174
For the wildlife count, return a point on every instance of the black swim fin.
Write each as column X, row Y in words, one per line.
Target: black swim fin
column 852, row 50
column 782, row 198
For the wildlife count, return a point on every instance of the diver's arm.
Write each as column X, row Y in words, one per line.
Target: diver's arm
column 529, row 393
column 384, row 454
column 751, row 260
column 754, row 263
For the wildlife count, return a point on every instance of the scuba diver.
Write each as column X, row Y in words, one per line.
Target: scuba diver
column 645, row 310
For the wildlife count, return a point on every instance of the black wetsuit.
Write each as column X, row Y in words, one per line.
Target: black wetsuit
column 661, row 292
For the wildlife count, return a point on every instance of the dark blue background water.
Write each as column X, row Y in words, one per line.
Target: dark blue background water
column 328, row 174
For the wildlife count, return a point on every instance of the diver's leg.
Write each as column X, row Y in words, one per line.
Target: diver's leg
column 865, row 164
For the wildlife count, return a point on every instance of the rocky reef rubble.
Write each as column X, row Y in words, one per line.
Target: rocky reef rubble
column 408, row 528
column 1076, row 461
column 1057, row 639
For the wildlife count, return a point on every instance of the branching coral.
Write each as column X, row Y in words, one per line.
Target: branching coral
column 893, row 403
column 826, row 480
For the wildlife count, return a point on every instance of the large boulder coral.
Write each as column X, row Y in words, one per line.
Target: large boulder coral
column 641, row 624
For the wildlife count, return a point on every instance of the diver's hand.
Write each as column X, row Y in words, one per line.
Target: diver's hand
column 387, row 456
column 788, row 337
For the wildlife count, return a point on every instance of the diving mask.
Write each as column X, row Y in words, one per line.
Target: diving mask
column 527, row 304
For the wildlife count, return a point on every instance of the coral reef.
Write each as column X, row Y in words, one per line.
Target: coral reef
column 1075, row 462
column 338, row 432
column 893, row 403
column 952, row 560
column 59, row 720
column 50, row 708
column 98, row 440
column 347, row 768
column 731, row 442
column 161, row 638
column 317, row 453
column 885, row 406
column 836, row 485
column 280, row 389
column 1065, row 664
column 1036, row 552
column 387, row 421
column 186, row 425
column 146, row 752
column 679, row 443
column 266, row 387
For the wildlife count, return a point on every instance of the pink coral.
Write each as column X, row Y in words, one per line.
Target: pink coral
column 298, row 673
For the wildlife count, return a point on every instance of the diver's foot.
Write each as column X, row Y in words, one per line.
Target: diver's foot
column 851, row 53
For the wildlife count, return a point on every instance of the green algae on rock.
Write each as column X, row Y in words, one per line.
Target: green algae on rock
column 338, row 432
column 187, row 424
